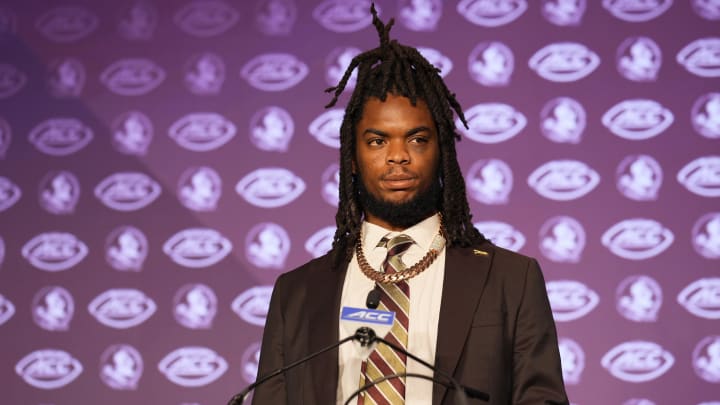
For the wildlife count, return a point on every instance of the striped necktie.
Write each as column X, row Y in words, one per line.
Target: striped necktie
column 384, row 360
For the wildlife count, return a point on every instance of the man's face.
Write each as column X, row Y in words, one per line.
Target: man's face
column 396, row 155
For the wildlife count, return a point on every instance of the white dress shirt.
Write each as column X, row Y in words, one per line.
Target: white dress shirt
column 425, row 299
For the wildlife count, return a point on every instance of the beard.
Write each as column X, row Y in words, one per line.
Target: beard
column 403, row 214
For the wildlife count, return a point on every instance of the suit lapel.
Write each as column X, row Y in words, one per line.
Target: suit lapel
column 466, row 271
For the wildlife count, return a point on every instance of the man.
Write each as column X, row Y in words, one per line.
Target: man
column 474, row 310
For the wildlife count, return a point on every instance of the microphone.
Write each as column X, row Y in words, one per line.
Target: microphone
column 414, row 375
column 373, row 298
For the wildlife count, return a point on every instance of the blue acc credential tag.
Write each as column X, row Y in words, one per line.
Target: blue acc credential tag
column 366, row 315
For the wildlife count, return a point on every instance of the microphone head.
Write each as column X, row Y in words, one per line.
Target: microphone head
column 365, row 336
column 373, row 298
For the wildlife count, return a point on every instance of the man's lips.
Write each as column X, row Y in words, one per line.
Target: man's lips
column 398, row 182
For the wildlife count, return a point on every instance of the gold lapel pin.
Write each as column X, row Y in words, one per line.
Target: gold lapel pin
column 478, row 252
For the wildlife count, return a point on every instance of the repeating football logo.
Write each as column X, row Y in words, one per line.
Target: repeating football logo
column 252, row 305
column 639, row 177
column 639, row 298
column 491, row 14
column 706, row 359
column 331, row 184
column 639, row 59
column 197, row 247
column 501, row 234
column 202, row 132
column 53, row 308
column 10, row 193
column 199, row 188
column 121, row 367
column 7, row 309
column 132, row 133
column 636, row 10
column 11, row 80
column 267, row 245
column 54, row 251
column 139, row 21
column 562, row 239
column 337, row 62
column 702, row 176
column 637, row 119
column 193, row 366
column 59, row 192
column 437, row 59
column 326, row 127
column 490, row 181
column 637, row 238
column 274, row 71
column 637, row 361
column 270, row 187
column 420, row 15
column 572, row 359
column 5, row 136
column 66, row 77
column 706, row 235
column 48, row 369
column 570, row 300
column 251, row 362
column 132, row 76
column 122, row 308
column 564, row 13
column 276, row 17
column 205, row 74
column 702, row 298
column 563, row 180
column 709, row 10
column 206, row 18
column 271, row 129
column 563, row 120
column 343, row 15
column 701, row 57
column 67, row 24
column 8, row 22
column 638, row 401
column 195, row 306
column 126, row 249
column 492, row 122
column 127, row 191
column 705, row 115
column 564, row 62
column 491, row 64
column 60, row 136
column 320, row 242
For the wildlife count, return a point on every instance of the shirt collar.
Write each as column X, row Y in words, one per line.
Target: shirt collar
column 422, row 233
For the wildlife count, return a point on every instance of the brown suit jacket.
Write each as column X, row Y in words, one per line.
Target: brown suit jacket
column 496, row 331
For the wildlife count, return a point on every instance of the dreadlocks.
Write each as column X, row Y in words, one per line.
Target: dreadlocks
column 401, row 70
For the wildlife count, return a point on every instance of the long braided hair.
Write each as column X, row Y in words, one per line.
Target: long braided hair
column 401, row 70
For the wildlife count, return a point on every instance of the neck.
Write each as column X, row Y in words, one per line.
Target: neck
column 374, row 219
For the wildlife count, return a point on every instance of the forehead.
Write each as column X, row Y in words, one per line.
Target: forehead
column 396, row 109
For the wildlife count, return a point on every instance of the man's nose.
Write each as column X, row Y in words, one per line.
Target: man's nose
column 398, row 153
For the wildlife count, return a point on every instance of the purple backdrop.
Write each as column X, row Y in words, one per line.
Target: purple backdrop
column 162, row 162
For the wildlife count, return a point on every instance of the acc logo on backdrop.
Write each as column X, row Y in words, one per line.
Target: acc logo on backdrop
column 491, row 64
column 490, row 181
column 563, row 120
column 267, row 245
column 563, row 180
column 637, row 361
column 572, row 359
column 706, row 115
column 320, row 242
column 251, row 362
column 491, row 14
column 199, row 188
column 326, row 127
column 706, row 359
column 197, row 247
column 7, row 309
column 66, row 77
column 205, row 74
column 202, row 132
column 121, row 367
column 275, row 17
column 639, row 177
column 126, row 249
column 420, row 15
column 702, row 176
column 492, row 122
column 706, row 235
column 195, row 306
column 637, row 119
column 53, row 308
column 437, row 59
column 274, row 71
column 54, row 251
column 252, row 305
column 337, row 62
column 48, row 369
column 702, row 298
column 270, row 187
column 330, row 184
column 637, row 238
column 132, row 133
column 709, row 10
column 501, row 234
column 206, row 18
column 570, row 300
column 271, row 129
column 638, row 298
column 564, row 62
column 127, row 191
column 5, row 136
column 10, row 193
column 139, row 21
column 11, row 80
column 67, row 24
column 193, row 366
column 132, row 76
column 562, row 239
column 563, row 13
column 700, row 57
column 60, row 136
column 122, row 308
column 344, row 15
column 636, row 10
column 639, row 59
column 59, row 192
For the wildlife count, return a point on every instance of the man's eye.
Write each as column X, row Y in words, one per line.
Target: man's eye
column 375, row 141
column 419, row 139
